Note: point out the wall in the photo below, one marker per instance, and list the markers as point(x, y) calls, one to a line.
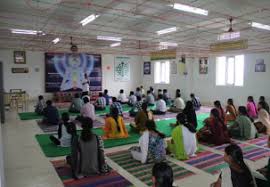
point(33, 82)
point(255, 84)
point(2, 173)
point(177, 81)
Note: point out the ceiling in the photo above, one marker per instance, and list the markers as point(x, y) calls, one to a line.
point(136, 21)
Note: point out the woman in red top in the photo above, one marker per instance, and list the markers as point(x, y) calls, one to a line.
point(215, 131)
point(222, 114)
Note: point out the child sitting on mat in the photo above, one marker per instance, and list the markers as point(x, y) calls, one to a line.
point(151, 145)
point(162, 175)
point(51, 114)
point(100, 102)
point(76, 104)
point(40, 105)
point(63, 138)
point(87, 153)
point(161, 107)
point(114, 126)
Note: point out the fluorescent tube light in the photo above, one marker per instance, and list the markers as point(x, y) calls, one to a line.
point(115, 44)
point(229, 36)
point(171, 44)
point(260, 26)
point(89, 19)
point(56, 40)
point(109, 38)
point(30, 32)
point(165, 31)
point(190, 9)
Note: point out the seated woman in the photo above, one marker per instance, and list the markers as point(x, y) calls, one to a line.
point(141, 119)
point(263, 122)
point(40, 105)
point(251, 108)
point(184, 143)
point(161, 107)
point(63, 138)
point(238, 173)
point(115, 126)
point(51, 114)
point(262, 99)
point(265, 172)
point(215, 131)
point(87, 154)
point(162, 175)
point(243, 128)
point(189, 111)
point(230, 112)
point(218, 106)
point(151, 145)
point(76, 104)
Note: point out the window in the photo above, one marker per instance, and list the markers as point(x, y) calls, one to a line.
point(162, 72)
point(230, 70)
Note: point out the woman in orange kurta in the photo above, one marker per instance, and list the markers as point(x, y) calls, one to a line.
point(231, 112)
point(114, 126)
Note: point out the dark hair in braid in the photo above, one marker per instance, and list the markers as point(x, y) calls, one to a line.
point(163, 174)
point(115, 115)
point(151, 125)
point(218, 105)
point(182, 120)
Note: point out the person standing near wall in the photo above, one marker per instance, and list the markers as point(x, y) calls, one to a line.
point(85, 85)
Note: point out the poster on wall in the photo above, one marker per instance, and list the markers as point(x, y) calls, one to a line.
point(173, 67)
point(65, 71)
point(203, 65)
point(260, 66)
point(182, 65)
point(147, 68)
point(122, 69)
point(19, 57)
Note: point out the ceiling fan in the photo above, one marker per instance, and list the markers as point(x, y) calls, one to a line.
point(73, 47)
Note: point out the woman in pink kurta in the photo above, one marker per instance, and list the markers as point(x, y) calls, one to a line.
point(251, 108)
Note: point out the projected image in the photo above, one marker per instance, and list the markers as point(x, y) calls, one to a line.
point(65, 71)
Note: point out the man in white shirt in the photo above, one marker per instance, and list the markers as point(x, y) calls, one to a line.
point(88, 110)
point(161, 107)
point(85, 85)
point(179, 104)
point(132, 99)
point(122, 98)
point(150, 99)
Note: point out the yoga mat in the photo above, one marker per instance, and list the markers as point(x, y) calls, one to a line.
point(250, 152)
point(33, 115)
point(51, 150)
point(207, 161)
point(113, 179)
point(144, 171)
point(47, 128)
point(261, 141)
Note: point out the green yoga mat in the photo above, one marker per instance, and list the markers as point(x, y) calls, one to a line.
point(33, 115)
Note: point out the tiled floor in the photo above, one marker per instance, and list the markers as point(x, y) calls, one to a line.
point(26, 166)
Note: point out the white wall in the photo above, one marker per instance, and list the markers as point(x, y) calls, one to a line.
point(255, 84)
point(2, 173)
point(33, 82)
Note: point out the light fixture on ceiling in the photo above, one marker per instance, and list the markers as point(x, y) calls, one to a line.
point(109, 38)
point(56, 40)
point(260, 26)
point(230, 34)
point(29, 32)
point(169, 44)
point(190, 9)
point(168, 30)
point(89, 19)
point(115, 44)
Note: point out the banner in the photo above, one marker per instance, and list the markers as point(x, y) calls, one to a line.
point(147, 68)
point(226, 46)
point(65, 71)
point(163, 55)
point(122, 69)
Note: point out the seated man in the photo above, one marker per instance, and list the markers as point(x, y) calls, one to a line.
point(166, 97)
point(150, 99)
point(132, 99)
point(87, 110)
point(122, 98)
point(100, 102)
point(51, 114)
point(107, 97)
point(40, 105)
point(161, 107)
point(116, 104)
point(76, 104)
point(178, 105)
point(136, 108)
point(196, 102)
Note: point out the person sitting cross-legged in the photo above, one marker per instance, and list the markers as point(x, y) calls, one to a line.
point(100, 102)
point(161, 107)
